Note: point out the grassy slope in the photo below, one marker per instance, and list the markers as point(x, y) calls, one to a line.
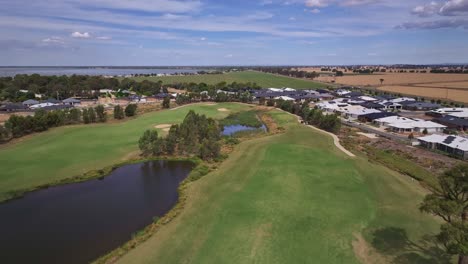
point(264, 80)
point(289, 198)
point(69, 151)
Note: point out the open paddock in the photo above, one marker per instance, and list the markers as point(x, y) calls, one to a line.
point(429, 92)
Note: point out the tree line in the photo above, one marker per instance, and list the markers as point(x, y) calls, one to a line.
point(17, 126)
point(312, 116)
point(196, 136)
point(23, 87)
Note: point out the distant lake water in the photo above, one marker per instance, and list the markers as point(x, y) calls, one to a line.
point(95, 71)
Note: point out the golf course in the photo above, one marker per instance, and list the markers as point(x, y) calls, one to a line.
point(264, 80)
point(291, 197)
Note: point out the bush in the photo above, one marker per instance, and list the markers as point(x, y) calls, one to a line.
point(118, 112)
point(101, 113)
point(130, 110)
point(166, 103)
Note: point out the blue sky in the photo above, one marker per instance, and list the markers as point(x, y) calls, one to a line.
point(208, 32)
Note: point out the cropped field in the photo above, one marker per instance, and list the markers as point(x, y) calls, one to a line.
point(453, 84)
point(264, 80)
point(295, 198)
point(69, 151)
point(456, 95)
point(396, 79)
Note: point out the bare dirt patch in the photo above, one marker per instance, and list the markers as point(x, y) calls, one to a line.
point(163, 126)
point(365, 253)
point(368, 135)
point(223, 110)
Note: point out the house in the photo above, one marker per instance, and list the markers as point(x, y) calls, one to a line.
point(453, 145)
point(353, 94)
point(71, 101)
point(30, 102)
point(372, 105)
point(453, 122)
point(41, 105)
point(373, 116)
point(403, 99)
point(53, 101)
point(421, 106)
point(391, 105)
point(13, 107)
point(285, 98)
point(367, 98)
point(356, 112)
point(455, 112)
point(417, 126)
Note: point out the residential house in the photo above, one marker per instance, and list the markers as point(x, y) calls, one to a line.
point(30, 102)
point(421, 106)
point(453, 145)
point(454, 123)
point(71, 101)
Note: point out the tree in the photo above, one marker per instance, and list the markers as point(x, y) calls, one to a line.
point(171, 139)
point(131, 109)
point(449, 201)
point(92, 115)
point(381, 81)
point(118, 112)
point(4, 133)
point(74, 116)
point(425, 131)
point(410, 136)
point(101, 114)
point(166, 102)
point(85, 115)
point(147, 141)
point(261, 101)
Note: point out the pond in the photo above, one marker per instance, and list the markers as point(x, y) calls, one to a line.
point(232, 129)
point(79, 222)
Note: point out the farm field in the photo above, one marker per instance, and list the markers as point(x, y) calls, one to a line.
point(295, 198)
point(264, 80)
point(453, 84)
point(396, 79)
point(429, 92)
point(70, 151)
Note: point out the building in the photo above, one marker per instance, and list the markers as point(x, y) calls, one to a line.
point(455, 112)
point(409, 125)
point(373, 116)
point(421, 106)
point(71, 101)
point(452, 145)
point(13, 108)
point(30, 102)
point(454, 123)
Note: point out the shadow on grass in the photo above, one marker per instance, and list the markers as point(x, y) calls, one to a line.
point(393, 241)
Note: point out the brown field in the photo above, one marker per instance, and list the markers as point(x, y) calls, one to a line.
point(455, 84)
point(429, 92)
point(396, 79)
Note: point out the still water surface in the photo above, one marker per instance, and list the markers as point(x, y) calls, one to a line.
point(77, 223)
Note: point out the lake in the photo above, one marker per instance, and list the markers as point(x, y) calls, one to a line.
point(79, 222)
point(232, 129)
point(113, 71)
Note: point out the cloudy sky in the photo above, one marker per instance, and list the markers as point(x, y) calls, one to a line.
point(232, 32)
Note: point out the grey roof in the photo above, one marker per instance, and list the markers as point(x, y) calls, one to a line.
point(13, 107)
point(423, 105)
point(71, 100)
point(30, 102)
point(452, 120)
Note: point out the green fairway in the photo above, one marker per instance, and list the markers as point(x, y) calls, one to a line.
point(264, 80)
point(70, 151)
point(294, 198)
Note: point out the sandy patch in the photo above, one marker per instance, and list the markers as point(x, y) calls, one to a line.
point(365, 253)
point(166, 129)
point(163, 126)
point(368, 135)
point(223, 110)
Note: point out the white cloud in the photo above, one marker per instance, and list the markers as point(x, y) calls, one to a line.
point(317, 3)
point(292, 18)
point(104, 38)
point(175, 6)
point(315, 11)
point(259, 16)
point(454, 8)
point(53, 40)
point(426, 10)
point(202, 38)
point(84, 35)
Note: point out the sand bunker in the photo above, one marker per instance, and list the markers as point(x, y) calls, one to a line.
point(164, 126)
point(223, 110)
